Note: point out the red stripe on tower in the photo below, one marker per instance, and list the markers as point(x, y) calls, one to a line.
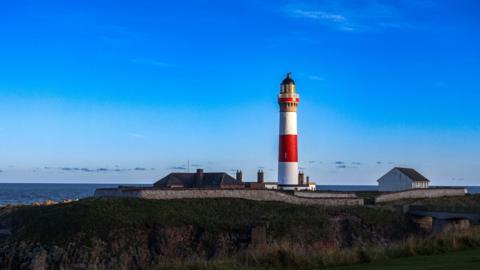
point(288, 149)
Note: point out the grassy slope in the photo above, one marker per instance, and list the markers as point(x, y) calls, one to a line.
point(97, 217)
point(459, 260)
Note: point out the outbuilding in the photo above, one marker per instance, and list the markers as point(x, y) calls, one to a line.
point(398, 179)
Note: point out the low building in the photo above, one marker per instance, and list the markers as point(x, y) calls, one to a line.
point(199, 179)
point(398, 179)
point(271, 185)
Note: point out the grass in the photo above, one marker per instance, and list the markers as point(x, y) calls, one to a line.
point(456, 250)
point(458, 260)
point(296, 230)
point(469, 203)
point(98, 217)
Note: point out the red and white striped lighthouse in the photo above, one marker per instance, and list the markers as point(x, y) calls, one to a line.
point(288, 151)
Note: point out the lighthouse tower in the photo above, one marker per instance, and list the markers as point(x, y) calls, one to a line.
point(288, 155)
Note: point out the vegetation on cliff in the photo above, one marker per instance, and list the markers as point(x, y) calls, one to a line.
point(99, 217)
point(208, 233)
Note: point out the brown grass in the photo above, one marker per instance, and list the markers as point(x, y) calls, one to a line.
point(293, 256)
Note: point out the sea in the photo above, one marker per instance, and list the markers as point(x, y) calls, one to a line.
point(16, 193)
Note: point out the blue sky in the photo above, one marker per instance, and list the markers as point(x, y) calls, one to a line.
point(126, 91)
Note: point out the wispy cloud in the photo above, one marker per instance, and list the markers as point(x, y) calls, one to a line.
point(114, 41)
point(177, 168)
point(315, 78)
point(344, 165)
point(319, 15)
point(351, 17)
point(101, 170)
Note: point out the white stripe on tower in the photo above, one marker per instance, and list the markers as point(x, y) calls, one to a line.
point(288, 123)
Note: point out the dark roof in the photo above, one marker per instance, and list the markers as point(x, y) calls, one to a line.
point(288, 79)
point(188, 180)
point(413, 174)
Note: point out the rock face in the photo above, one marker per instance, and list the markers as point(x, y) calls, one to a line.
point(95, 240)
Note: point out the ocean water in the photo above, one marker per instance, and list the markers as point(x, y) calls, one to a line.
point(29, 193)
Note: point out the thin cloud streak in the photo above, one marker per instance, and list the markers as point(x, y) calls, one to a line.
point(319, 15)
point(343, 16)
point(102, 170)
point(179, 168)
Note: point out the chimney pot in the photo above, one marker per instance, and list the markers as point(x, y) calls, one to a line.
point(199, 177)
point(260, 176)
point(301, 178)
point(239, 175)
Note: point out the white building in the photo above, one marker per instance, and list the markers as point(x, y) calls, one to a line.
point(398, 179)
point(312, 186)
point(271, 185)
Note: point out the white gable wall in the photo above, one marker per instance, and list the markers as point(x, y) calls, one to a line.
point(394, 180)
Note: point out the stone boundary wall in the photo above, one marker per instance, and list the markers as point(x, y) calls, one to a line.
point(421, 193)
point(323, 194)
point(249, 194)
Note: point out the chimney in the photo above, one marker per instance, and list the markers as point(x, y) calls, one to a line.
point(260, 176)
point(300, 178)
point(239, 175)
point(199, 177)
point(308, 180)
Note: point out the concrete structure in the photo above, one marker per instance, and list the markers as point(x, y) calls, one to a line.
point(322, 199)
point(398, 179)
point(421, 193)
point(438, 222)
point(288, 100)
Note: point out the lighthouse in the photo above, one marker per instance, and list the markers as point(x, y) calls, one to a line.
point(288, 99)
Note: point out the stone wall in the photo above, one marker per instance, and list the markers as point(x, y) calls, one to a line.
point(421, 193)
point(249, 194)
point(322, 194)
